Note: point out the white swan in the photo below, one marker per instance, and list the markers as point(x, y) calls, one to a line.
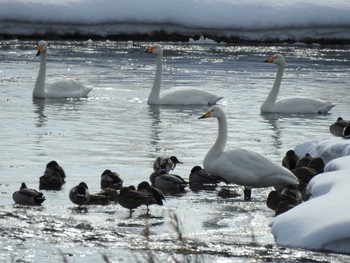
point(240, 166)
point(64, 88)
point(290, 105)
point(176, 95)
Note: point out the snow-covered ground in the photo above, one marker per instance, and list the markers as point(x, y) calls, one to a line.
point(323, 222)
point(250, 20)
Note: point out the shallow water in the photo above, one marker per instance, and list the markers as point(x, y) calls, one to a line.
point(115, 129)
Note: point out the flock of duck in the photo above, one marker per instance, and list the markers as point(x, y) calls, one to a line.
point(284, 197)
point(112, 189)
point(236, 166)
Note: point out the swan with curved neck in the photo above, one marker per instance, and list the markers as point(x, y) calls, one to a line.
point(176, 95)
point(290, 105)
point(64, 88)
point(240, 166)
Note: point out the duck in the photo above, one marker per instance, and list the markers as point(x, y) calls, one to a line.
point(165, 163)
point(168, 183)
point(308, 169)
point(290, 160)
point(104, 197)
point(282, 201)
point(240, 166)
point(157, 195)
point(111, 179)
point(53, 177)
point(317, 164)
point(130, 198)
point(175, 95)
point(198, 175)
point(57, 89)
point(341, 128)
point(79, 194)
point(304, 174)
point(25, 196)
point(304, 161)
point(200, 179)
point(298, 105)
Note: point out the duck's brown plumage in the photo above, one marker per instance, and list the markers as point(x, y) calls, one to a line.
point(131, 199)
point(111, 179)
point(290, 160)
point(157, 195)
point(104, 197)
point(53, 177)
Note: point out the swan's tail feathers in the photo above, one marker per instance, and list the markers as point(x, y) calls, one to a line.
point(326, 108)
point(291, 179)
point(220, 179)
point(214, 100)
point(86, 92)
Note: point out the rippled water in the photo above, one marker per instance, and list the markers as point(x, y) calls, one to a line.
point(115, 129)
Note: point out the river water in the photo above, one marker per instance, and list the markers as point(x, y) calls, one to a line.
point(115, 129)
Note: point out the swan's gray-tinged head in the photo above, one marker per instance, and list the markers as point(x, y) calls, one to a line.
point(42, 47)
point(276, 59)
point(154, 49)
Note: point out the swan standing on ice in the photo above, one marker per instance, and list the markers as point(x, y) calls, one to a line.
point(290, 105)
point(64, 88)
point(176, 95)
point(239, 166)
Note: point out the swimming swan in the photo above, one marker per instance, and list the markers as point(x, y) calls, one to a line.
point(64, 88)
point(176, 95)
point(240, 166)
point(290, 105)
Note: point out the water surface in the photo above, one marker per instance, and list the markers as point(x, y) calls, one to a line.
point(115, 129)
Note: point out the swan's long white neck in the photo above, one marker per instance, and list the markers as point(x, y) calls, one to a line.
point(39, 88)
point(270, 101)
point(220, 143)
point(154, 95)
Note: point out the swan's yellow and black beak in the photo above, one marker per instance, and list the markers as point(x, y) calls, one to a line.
point(205, 115)
point(40, 50)
point(149, 49)
point(270, 59)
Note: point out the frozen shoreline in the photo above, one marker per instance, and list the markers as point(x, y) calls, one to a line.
point(257, 21)
point(162, 36)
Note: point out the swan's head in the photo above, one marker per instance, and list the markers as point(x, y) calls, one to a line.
point(213, 112)
point(155, 49)
point(276, 59)
point(42, 47)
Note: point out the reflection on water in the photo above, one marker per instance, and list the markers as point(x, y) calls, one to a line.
point(115, 129)
point(39, 108)
point(154, 113)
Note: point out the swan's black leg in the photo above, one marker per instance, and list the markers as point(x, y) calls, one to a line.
point(247, 194)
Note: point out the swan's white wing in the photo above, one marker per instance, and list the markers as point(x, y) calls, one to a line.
point(302, 105)
point(248, 168)
point(65, 88)
point(188, 96)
